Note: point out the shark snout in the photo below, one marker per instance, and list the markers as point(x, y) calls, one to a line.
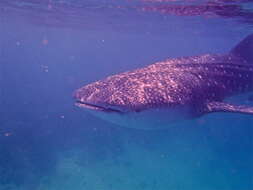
point(98, 106)
point(96, 100)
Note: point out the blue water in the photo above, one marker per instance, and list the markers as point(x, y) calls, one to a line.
point(50, 48)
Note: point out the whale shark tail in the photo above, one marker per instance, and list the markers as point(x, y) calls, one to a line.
point(245, 49)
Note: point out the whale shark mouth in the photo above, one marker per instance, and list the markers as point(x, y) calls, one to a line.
point(96, 107)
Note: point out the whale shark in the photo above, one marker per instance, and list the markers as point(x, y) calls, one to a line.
point(174, 90)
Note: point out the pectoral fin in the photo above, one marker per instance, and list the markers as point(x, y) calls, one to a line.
point(226, 107)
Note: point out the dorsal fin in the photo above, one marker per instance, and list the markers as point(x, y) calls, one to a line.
point(245, 49)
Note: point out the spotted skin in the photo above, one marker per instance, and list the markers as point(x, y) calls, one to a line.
point(192, 84)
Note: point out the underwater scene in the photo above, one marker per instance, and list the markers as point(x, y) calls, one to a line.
point(126, 95)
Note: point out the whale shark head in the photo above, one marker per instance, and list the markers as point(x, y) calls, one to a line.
point(131, 99)
point(103, 96)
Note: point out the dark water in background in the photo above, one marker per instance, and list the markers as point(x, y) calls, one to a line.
point(49, 48)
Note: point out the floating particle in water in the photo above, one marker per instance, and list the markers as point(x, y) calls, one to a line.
point(7, 134)
point(44, 41)
point(44, 68)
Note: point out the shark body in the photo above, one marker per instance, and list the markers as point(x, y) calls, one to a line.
point(173, 90)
